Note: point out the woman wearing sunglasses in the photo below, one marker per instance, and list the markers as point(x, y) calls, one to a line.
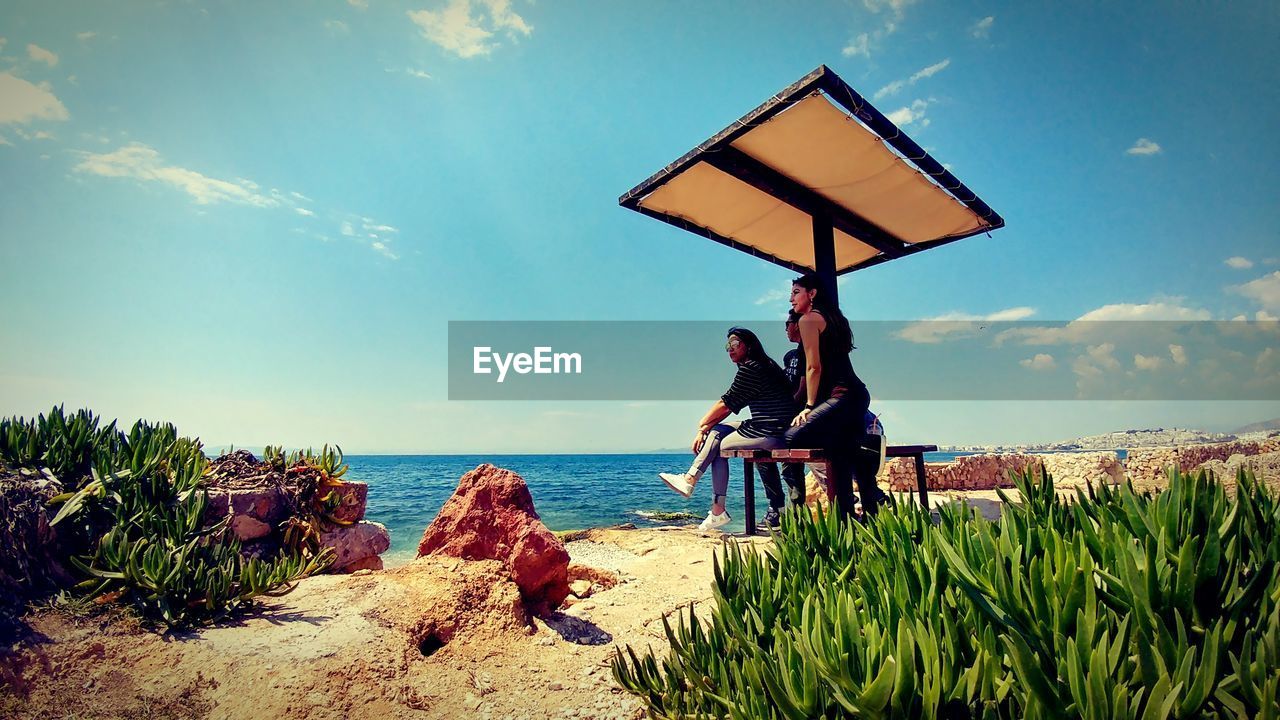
point(762, 386)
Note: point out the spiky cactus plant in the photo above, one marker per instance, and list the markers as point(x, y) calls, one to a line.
point(1115, 605)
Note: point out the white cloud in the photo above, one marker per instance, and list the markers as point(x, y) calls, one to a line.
point(37, 135)
point(1144, 311)
point(304, 212)
point(860, 45)
point(359, 4)
point(1179, 354)
point(776, 295)
point(144, 163)
point(1042, 361)
point(1264, 316)
point(385, 251)
point(1143, 146)
point(1239, 263)
point(1096, 360)
point(889, 89)
point(85, 36)
point(895, 7)
point(923, 73)
point(1265, 290)
point(421, 74)
point(4, 141)
point(337, 27)
point(913, 113)
point(865, 42)
point(1147, 362)
point(1093, 324)
point(956, 325)
point(1101, 354)
point(1264, 365)
point(1011, 314)
point(22, 102)
point(456, 29)
point(39, 54)
point(930, 71)
point(982, 28)
point(347, 230)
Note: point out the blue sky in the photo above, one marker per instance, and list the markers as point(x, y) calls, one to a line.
point(256, 220)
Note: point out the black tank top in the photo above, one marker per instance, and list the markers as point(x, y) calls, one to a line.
point(837, 370)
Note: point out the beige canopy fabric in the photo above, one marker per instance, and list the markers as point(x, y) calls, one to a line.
point(758, 185)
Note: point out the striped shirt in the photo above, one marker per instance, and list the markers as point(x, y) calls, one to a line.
point(766, 394)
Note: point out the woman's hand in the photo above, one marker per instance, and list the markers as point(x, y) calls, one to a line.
point(802, 418)
point(698, 439)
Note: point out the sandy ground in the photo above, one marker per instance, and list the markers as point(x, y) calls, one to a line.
point(435, 638)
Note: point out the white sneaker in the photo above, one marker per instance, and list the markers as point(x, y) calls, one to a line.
point(713, 521)
point(679, 483)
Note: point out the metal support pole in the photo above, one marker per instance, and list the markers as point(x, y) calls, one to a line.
point(824, 256)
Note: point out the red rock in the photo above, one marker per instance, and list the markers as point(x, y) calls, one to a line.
point(491, 517)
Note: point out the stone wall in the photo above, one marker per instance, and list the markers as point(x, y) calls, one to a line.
point(968, 472)
point(1147, 466)
point(256, 514)
point(1078, 469)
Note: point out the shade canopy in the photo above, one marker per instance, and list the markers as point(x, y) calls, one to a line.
point(816, 155)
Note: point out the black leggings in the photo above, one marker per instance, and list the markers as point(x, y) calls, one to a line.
point(834, 425)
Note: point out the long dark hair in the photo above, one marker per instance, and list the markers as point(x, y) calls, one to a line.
point(755, 351)
point(837, 324)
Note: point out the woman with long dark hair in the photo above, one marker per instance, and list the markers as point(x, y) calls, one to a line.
point(836, 402)
point(761, 385)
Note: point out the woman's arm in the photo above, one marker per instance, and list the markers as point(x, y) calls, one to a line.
point(718, 412)
point(811, 325)
point(810, 329)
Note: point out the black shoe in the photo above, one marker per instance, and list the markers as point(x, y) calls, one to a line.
point(772, 519)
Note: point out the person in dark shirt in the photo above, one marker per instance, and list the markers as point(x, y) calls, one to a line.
point(793, 361)
point(836, 399)
point(761, 385)
point(793, 365)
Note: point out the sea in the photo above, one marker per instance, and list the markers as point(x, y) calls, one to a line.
point(570, 492)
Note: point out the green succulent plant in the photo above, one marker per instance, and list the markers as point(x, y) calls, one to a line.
point(1113, 605)
point(134, 508)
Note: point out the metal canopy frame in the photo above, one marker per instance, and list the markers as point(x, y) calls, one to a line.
point(827, 215)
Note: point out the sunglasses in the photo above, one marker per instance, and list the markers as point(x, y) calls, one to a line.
point(733, 345)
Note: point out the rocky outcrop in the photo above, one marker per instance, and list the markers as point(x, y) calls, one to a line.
point(30, 554)
point(255, 511)
point(259, 498)
point(357, 546)
point(491, 517)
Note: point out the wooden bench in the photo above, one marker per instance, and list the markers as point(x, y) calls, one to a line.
point(751, 457)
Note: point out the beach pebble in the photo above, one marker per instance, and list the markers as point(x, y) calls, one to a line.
point(555, 686)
